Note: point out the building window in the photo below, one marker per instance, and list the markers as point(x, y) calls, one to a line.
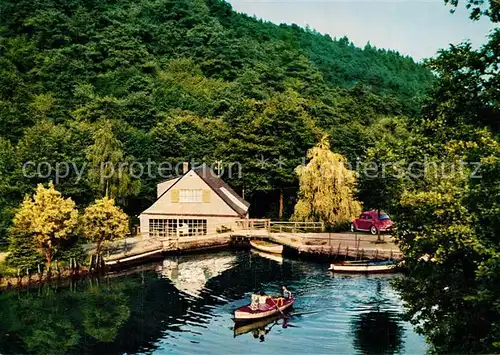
point(172, 227)
point(191, 196)
point(157, 227)
point(192, 227)
point(177, 227)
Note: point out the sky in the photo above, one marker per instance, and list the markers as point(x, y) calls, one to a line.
point(418, 28)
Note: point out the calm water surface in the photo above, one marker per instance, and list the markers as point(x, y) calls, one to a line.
point(185, 304)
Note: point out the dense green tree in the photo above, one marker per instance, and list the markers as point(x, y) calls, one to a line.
point(184, 136)
point(7, 187)
point(23, 254)
point(448, 215)
point(467, 91)
point(383, 172)
point(110, 172)
point(451, 255)
point(269, 138)
point(54, 152)
point(478, 8)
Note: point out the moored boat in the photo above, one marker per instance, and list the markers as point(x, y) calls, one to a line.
point(267, 246)
point(272, 307)
point(365, 267)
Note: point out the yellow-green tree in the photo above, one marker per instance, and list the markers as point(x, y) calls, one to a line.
point(327, 186)
point(47, 218)
point(103, 222)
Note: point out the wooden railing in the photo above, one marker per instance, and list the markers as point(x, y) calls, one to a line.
point(251, 224)
point(280, 227)
point(297, 227)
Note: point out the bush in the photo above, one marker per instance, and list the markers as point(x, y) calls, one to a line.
point(6, 270)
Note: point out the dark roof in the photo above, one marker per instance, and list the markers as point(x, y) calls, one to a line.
point(216, 183)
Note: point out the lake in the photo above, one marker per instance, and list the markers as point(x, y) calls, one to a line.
point(184, 305)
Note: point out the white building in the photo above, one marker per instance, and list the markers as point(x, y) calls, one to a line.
point(196, 203)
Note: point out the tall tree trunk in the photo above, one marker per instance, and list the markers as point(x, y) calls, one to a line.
point(58, 269)
point(48, 257)
point(281, 205)
point(97, 264)
point(99, 247)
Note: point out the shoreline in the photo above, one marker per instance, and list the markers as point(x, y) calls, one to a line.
point(315, 248)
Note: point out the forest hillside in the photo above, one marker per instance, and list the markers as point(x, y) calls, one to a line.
point(86, 82)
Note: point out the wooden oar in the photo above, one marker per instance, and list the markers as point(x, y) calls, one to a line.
point(283, 314)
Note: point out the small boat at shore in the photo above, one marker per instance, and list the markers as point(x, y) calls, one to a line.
point(267, 247)
point(370, 267)
point(272, 307)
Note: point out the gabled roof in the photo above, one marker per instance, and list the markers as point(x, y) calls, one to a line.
point(169, 179)
point(222, 189)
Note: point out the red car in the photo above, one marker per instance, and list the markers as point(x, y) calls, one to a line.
point(371, 221)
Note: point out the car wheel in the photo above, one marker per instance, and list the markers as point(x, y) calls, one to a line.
point(353, 228)
point(373, 230)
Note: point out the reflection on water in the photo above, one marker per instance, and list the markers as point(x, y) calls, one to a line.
point(377, 329)
point(274, 257)
point(190, 275)
point(183, 303)
point(258, 327)
point(377, 332)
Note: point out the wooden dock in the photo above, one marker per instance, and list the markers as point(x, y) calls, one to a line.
point(341, 246)
point(306, 239)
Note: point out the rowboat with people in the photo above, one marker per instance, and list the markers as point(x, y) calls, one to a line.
point(263, 306)
point(272, 307)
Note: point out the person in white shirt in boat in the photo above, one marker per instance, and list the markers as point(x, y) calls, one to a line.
point(254, 305)
point(263, 300)
point(286, 293)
